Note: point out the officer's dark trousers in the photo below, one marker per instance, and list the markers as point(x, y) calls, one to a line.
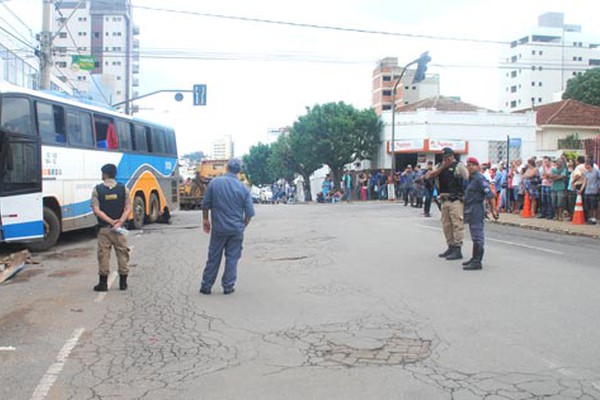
point(476, 231)
point(231, 245)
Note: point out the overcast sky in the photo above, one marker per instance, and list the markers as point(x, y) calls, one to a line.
point(262, 75)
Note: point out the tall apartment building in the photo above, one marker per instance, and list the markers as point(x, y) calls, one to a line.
point(222, 148)
point(536, 67)
point(96, 49)
point(385, 75)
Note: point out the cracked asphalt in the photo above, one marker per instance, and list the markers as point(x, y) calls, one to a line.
point(345, 301)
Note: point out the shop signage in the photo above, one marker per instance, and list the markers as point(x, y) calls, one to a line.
point(459, 146)
point(408, 146)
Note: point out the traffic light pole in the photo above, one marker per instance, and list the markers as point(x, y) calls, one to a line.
point(150, 94)
point(419, 76)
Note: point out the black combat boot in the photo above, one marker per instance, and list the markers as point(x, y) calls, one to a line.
point(123, 282)
point(456, 254)
point(102, 285)
point(472, 256)
point(478, 257)
point(446, 253)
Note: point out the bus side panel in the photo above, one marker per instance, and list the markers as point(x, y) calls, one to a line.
point(22, 217)
point(150, 173)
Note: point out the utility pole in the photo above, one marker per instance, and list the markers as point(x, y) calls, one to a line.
point(46, 46)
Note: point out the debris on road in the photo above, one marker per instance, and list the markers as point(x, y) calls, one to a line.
point(13, 263)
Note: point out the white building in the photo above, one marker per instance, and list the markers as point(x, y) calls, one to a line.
point(19, 63)
point(222, 149)
point(424, 128)
point(95, 49)
point(536, 67)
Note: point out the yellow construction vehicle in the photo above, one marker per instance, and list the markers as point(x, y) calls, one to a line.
point(191, 191)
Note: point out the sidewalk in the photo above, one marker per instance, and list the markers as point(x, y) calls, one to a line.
point(562, 227)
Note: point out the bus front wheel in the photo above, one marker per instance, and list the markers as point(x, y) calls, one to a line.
point(51, 231)
point(139, 212)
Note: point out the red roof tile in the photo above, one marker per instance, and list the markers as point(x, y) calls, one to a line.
point(441, 103)
point(568, 112)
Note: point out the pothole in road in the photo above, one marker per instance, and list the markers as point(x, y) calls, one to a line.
point(356, 344)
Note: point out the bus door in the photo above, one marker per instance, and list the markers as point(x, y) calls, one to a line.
point(21, 203)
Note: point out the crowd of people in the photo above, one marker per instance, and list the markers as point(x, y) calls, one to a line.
point(551, 186)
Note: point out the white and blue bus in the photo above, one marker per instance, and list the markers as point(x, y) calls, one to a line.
point(51, 152)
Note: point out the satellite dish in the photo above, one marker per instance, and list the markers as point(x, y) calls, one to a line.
point(178, 97)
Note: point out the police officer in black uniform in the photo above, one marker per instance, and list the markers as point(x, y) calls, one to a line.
point(452, 176)
point(111, 205)
point(478, 190)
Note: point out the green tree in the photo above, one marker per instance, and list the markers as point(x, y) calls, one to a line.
point(195, 157)
point(256, 164)
point(335, 134)
point(585, 88)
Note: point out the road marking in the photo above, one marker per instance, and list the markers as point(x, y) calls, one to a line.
point(504, 241)
point(7, 348)
point(48, 380)
point(102, 295)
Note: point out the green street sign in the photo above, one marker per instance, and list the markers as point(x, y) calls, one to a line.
point(86, 63)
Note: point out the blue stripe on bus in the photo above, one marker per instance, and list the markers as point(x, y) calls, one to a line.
point(77, 209)
point(25, 229)
point(130, 163)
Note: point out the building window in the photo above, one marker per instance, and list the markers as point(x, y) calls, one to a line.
point(386, 107)
point(414, 88)
point(387, 93)
point(533, 52)
point(96, 35)
point(513, 104)
point(406, 87)
point(82, 33)
point(387, 78)
point(540, 68)
point(574, 73)
point(61, 64)
point(119, 92)
point(96, 64)
point(594, 62)
point(541, 53)
point(513, 74)
point(532, 83)
point(118, 78)
point(62, 35)
point(513, 89)
point(533, 67)
point(539, 99)
point(539, 83)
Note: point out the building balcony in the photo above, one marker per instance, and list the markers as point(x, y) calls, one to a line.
point(136, 44)
point(135, 68)
point(135, 82)
point(136, 30)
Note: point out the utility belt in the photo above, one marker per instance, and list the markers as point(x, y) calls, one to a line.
point(451, 197)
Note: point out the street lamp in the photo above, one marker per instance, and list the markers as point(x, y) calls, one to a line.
point(419, 76)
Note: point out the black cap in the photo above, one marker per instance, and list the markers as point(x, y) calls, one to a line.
point(447, 151)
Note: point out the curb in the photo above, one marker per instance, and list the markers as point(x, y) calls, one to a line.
point(561, 231)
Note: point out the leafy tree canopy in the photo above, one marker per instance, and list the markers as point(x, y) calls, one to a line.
point(585, 87)
point(256, 164)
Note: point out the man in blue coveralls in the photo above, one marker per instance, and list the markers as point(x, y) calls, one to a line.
point(478, 190)
point(231, 208)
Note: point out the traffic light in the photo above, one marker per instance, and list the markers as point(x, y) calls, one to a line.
point(421, 67)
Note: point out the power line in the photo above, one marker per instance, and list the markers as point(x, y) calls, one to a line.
point(17, 38)
point(348, 29)
point(318, 26)
point(17, 18)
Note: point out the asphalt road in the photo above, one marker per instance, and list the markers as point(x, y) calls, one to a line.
point(346, 301)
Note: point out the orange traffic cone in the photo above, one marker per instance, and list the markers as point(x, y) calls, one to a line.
point(527, 207)
point(578, 215)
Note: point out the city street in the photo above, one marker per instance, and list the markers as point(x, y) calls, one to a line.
point(344, 301)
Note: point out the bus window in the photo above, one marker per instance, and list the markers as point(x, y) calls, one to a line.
point(19, 173)
point(15, 116)
point(124, 135)
point(159, 144)
point(171, 145)
point(79, 128)
point(149, 139)
point(106, 134)
point(51, 123)
point(139, 138)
